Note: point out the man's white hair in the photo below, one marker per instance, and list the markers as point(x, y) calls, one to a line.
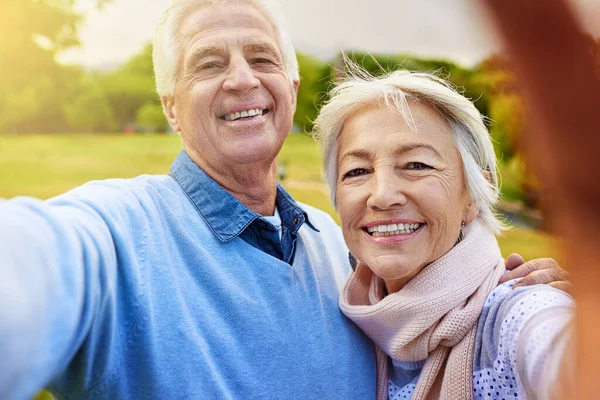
point(168, 53)
point(396, 91)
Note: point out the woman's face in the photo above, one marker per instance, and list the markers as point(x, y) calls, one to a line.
point(400, 193)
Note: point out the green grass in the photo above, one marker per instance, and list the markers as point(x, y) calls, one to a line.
point(530, 244)
point(47, 165)
point(301, 157)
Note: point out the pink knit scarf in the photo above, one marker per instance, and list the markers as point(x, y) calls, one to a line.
point(433, 317)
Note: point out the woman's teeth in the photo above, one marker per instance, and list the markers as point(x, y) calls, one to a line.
point(243, 114)
point(392, 229)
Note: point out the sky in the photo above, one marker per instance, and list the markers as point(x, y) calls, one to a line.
point(453, 29)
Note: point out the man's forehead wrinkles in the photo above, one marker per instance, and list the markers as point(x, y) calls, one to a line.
point(248, 45)
point(206, 19)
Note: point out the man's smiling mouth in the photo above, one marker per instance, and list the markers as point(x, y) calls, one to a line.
point(245, 114)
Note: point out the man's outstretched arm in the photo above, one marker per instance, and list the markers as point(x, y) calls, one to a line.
point(55, 264)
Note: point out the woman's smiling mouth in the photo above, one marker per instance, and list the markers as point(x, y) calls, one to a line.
point(393, 229)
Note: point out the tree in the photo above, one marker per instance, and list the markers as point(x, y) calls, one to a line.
point(131, 86)
point(507, 115)
point(315, 80)
point(35, 31)
point(150, 117)
point(90, 111)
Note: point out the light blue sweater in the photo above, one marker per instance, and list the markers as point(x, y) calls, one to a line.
point(143, 288)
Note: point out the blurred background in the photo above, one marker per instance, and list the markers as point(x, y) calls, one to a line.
point(77, 99)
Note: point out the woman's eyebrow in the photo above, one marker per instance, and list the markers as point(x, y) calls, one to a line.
point(362, 154)
point(416, 146)
point(400, 151)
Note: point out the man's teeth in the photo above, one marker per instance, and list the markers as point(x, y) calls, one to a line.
point(243, 114)
point(392, 229)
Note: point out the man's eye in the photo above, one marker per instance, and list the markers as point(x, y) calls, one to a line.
point(417, 166)
point(261, 61)
point(355, 172)
point(210, 65)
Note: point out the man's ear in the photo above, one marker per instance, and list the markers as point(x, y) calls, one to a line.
point(170, 110)
point(295, 85)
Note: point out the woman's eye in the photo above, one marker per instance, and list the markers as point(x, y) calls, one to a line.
point(417, 166)
point(355, 172)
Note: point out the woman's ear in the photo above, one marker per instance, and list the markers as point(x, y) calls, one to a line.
point(471, 212)
point(488, 176)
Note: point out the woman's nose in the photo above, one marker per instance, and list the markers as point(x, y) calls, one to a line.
point(240, 76)
point(387, 191)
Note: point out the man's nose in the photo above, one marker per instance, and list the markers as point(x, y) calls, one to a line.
point(388, 190)
point(240, 76)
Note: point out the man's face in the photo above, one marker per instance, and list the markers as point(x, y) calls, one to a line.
point(233, 101)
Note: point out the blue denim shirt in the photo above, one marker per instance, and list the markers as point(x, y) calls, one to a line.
point(158, 287)
point(212, 202)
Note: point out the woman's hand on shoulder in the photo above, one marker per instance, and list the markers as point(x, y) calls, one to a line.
point(540, 270)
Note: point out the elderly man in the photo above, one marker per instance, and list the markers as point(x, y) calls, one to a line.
point(210, 282)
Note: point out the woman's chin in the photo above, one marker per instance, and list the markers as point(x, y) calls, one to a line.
point(394, 267)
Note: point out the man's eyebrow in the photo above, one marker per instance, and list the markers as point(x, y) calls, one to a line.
point(202, 52)
point(261, 48)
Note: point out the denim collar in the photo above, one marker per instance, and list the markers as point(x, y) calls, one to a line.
point(224, 214)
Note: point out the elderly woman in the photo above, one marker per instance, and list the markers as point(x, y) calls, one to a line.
point(412, 173)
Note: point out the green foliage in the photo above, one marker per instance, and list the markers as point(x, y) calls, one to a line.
point(32, 83)
point(131, 87)
point(507, 114)
point(150, 117)
point(315, 81)
point(511, 179)
point(89, 110)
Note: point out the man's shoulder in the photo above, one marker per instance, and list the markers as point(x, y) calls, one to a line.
point(123, 186)
point(122, 193)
